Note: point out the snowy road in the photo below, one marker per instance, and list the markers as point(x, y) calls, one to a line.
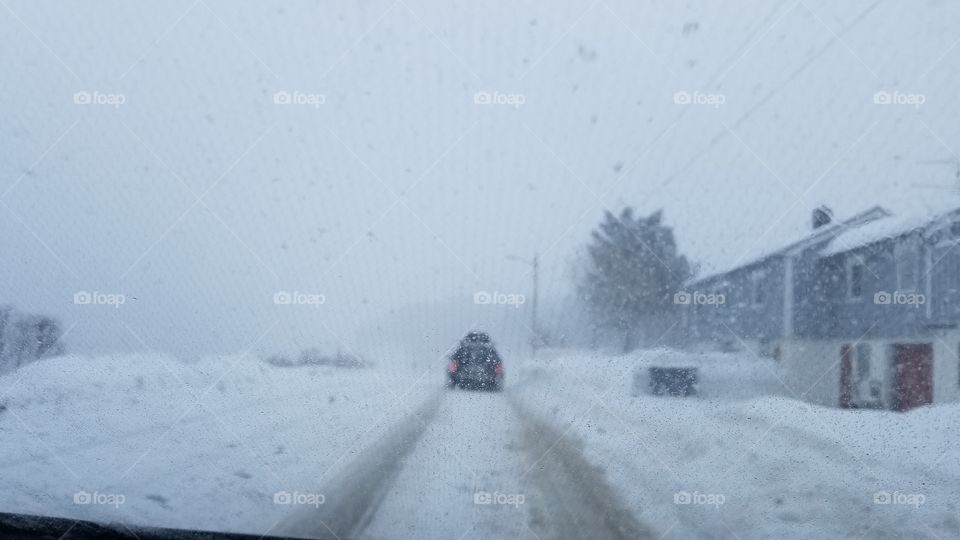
point(469, 464)
point(567, 450)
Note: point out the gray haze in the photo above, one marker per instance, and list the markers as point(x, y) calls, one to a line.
point(398, 198)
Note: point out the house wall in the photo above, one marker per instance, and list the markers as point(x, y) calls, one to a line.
point(812, 367)
point(883, 310)
point(812, 370)
point(943, 261)
point(738, 318)
point(946, 366)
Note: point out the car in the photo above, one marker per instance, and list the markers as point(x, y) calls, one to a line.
point(475, 364)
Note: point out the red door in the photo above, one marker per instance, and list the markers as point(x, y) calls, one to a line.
point(846, 377)
point(914, 375)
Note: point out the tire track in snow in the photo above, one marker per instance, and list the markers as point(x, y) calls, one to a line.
point(407, 484)
point(580, 502)
point(358, 489)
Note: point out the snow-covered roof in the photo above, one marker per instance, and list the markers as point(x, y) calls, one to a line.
point(806, 239)
point(891, 226)
point(873, 232)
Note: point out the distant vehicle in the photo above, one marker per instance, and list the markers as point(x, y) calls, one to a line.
point(475, 364)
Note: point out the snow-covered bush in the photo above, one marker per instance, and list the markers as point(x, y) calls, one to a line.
point(316, 357)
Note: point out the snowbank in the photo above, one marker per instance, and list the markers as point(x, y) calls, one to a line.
point(721, 375)
point(151, 440)
point(762, 467)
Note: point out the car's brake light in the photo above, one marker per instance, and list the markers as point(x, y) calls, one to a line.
point(453, 366)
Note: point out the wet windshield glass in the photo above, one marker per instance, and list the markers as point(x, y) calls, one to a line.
point(425, 269)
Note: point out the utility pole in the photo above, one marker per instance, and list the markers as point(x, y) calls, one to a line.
point(533, 308)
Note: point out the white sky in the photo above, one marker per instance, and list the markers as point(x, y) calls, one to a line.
point(399, 195)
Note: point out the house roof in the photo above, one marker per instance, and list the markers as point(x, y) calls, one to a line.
point(891, 226)
point(809, 238)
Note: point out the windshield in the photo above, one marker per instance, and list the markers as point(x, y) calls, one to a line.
point(423, 269)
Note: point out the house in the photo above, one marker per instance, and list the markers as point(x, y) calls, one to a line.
point(859, 313)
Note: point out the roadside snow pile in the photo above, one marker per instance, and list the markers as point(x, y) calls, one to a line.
point(767, 467)
point(151, 440)
point(720, 375)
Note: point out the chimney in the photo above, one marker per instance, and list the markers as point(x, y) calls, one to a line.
point(822, 215)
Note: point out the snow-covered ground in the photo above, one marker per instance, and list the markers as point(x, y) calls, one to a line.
point(195, 445)
point(229, 443)
point(766, 467)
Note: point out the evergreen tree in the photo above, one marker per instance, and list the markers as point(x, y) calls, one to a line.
point(633, 270)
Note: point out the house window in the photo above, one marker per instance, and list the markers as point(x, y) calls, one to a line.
point(863, 362)
point(908, 268)
point(855, 270)
point(758, 292)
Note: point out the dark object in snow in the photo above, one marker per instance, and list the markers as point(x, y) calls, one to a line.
point(673, 381)
point(30, 527)
point(822, 215)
